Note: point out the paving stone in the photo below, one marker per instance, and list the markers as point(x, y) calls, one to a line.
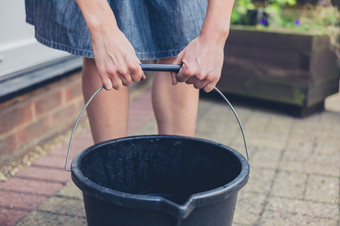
point(46, 218)
point(242, 112)
point(52, 161)
point(10, 216)
point(323, 189)
point(45, 173)
point(241, 149)
point(64, 206)
point(302, 207)
point(239, 224)
point(332, 103)
point(216, 132)
point(245, 220)
point(270, 218)
point(313, 158)
point(328, 146)
point(310, 163)
point(263, 140)
point(31, 186)
point(311, 124)
point(80, 142)
point(21, 201)
point(309, 168)
point(71, 190)
point(330, 119)
point(62, 150)
point(249, 203)
point(266, 157)
point(259, 180)
point(279, 125)
point(289, 184)
point(149, 128)
point(256, 122)
point(300, 143)
point(220, 113)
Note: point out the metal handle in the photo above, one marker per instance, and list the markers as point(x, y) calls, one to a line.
point(151, 67)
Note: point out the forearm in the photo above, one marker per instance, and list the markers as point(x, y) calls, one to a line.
point(115, 57)
point(98, 15)
point(216, 24)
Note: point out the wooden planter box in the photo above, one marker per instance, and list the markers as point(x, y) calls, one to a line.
point(296, 70)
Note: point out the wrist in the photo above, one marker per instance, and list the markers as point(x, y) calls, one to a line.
point(215, 36)
point(101, 26)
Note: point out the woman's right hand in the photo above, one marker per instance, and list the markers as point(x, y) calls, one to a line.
point(115, 59)
point(114, 55)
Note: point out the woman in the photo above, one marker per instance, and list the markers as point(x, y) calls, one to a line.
point(113, 36)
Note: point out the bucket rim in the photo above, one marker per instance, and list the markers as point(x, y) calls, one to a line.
point(142, 201)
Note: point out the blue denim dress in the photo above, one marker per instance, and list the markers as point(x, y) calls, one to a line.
point(155, 28)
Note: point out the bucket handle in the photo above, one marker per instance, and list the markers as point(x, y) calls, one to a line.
point(152, 67)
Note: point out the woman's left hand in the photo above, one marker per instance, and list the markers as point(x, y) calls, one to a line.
point(201, 61)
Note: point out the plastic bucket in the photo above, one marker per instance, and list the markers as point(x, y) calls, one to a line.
point(159, 180)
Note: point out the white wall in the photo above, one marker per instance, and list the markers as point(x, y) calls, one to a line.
point(14, 31)
point(18, 48)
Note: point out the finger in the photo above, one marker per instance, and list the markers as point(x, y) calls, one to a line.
point(185, 73)
point(124, 76)
point(173, 78)
point(209, 87)
point(143, 77)
point(136, 73)
point(117, 84)
point(116, 81)
point(192, 80)
point(177, 61)
point(201, 84)
point(126, 80)
point(107, 83)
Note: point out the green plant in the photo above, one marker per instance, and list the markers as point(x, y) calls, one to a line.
point(323, 18)
point(241, 7)
point(274, 9)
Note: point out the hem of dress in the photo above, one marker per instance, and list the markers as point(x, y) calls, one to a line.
point(30, 21)
point(63, 47)
point(89, 54)
point(158, 55)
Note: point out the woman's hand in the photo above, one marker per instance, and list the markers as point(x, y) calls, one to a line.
point(114, 55)
point(202, 62)
point(202, 59)
point(116, 59)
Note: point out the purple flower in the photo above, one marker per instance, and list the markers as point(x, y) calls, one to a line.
point(264, 22)
point(297, 23)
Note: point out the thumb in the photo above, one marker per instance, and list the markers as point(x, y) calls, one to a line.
point(178, 61)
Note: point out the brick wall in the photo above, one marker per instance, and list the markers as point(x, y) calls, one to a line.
point(33, 118)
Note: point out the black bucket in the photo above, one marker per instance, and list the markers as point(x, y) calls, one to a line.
point(160, 180)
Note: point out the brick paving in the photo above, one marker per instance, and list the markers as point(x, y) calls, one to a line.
point(294, 178)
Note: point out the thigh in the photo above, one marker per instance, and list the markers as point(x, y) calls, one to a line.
point(175, 106)
point(108, 111)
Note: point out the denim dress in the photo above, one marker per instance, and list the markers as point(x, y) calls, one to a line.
point(155, 28)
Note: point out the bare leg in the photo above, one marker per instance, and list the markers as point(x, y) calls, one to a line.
point(175, 107)
point(108, 111)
